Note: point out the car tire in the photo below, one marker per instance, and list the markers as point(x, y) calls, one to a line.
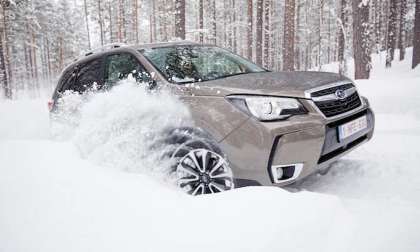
point(198, 164)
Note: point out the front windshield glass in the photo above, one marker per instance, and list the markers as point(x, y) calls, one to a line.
point(187, 64)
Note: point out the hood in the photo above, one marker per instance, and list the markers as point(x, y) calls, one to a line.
point(291, 84)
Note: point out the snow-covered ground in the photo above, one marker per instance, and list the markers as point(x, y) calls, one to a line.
point(60, 195)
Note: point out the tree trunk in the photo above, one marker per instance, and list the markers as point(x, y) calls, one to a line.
point(361, 39)
point(266, 62)
point(111, 38)
point(392, 32)
point(377, 15)
point(401, 40)
point(61, 53)
point(225, 26)
point(28, 67)
point(3, 71)
point(48, 59)
point(34, 54)
point(416, 37)
point(329, 38)
point(250, 28)
point(235, 35)
point(124, 22)
point(153, 22)
point(213, 21)
point(342, 38)
point(31, 61)
point(180, 19)
point(163, 34)
point(259, 35)
point(229, 30)
point(100, 21)
point(35, 63)
point(201, 20)
point(119, 21)
point(289, 36)
point(385, 24)
point(308, 44)
point(320, 24)
point(87, 24)
point(297, 36)
point(136, 21)
point(6, 48)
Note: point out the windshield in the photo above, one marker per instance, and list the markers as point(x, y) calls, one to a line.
point(187, 64)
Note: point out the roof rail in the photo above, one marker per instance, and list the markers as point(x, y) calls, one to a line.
point(105, 47)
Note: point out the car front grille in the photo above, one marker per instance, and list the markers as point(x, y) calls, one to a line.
point(331, 90)
point(331, 106)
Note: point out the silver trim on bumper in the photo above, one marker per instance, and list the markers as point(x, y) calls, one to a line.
point(296, 174)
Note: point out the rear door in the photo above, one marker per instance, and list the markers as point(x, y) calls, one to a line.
point(67, 80)
point(89, 76)
point(123, 65)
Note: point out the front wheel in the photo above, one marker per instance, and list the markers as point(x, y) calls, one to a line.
point(198, 164)
point(203, 171)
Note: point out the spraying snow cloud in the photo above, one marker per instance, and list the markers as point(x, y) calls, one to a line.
point(118, 127)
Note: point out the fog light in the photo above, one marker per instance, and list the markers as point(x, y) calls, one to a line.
point(279, 172)
point(284, 173)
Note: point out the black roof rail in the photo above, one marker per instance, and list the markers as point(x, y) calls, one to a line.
point(105, 47)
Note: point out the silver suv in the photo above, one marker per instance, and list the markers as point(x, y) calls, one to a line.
point(252, 126)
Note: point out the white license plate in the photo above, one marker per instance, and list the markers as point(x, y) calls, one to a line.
point(352, 127)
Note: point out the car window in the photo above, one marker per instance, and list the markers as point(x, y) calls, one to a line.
point(67, 80)
point(121, 66)
point(186, 64)
point(88, 76)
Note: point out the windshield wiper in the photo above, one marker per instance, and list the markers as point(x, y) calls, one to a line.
point(230, 75)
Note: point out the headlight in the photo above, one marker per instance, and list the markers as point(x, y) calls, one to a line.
point(266, 108)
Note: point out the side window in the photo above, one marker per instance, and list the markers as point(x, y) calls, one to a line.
point(121, 66)
point(88, 76)
point(67, 80)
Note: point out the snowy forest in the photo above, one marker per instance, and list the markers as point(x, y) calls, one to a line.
point(40, 37)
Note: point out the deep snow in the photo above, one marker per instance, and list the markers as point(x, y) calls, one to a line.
point(60, 195)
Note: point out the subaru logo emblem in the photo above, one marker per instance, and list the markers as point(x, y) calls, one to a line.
point(340, 94)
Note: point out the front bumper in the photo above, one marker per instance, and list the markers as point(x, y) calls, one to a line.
point(308, 142)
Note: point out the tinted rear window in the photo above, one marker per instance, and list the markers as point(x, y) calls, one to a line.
point(88, 75)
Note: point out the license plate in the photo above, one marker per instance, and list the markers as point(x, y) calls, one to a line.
point(348, 129)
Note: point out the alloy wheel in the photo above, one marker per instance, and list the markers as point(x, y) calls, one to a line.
point(203, 172)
